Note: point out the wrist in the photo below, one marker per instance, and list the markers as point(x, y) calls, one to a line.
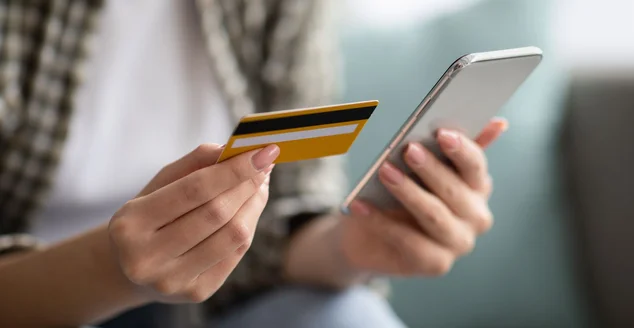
point(105, 262)
point(346, 271)
point(315, 256)
point(80, 274)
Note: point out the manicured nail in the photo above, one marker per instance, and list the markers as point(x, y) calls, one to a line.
point(391, 174)
point(502, 123)
point(415, 153)
point(265, 157)
point(450, 139)
point(360, 209)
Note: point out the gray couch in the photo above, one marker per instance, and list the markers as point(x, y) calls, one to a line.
point(599, 161)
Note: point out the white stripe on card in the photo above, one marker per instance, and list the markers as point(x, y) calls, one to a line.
point(290, 136)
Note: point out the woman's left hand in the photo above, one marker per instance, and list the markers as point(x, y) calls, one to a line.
point(438, 224)
point(434, 228)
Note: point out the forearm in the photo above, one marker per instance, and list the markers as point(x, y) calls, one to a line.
point(314, 257)
point(72, 283)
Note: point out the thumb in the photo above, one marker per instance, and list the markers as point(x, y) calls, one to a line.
point(201, 157)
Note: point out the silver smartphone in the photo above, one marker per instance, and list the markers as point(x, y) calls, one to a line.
point(466, 97)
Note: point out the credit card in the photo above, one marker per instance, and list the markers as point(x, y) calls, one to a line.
point(301, 134)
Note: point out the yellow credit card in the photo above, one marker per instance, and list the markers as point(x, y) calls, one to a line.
point(301, 134)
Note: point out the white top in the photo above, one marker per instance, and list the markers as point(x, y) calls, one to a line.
point(149, 98)
point(599, 46)
point(400, 13)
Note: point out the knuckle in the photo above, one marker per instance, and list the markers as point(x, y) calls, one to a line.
point(164, 171)
point(167, 287)
point(168, 169)
point(237, 170)
point(200, 292)
point(440, 266)
point(194, 190)
point(466, 244)
point(244, 248)
point(202, 153)
point(409, 244)
point(217, 210)
point(122, 229)
point(240, 233)
point(483, 221)
point(435, 214)
point(125, 210)
point(118, 228)
point(449, 191)
point(198, 295)
point(204, 150)
point(137, 272)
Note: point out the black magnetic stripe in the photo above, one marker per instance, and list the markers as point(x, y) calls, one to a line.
point(302, 121)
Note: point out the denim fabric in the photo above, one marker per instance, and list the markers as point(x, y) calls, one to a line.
point(305, 308)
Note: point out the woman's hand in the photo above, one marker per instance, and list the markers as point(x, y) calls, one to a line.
point(439, 224)
point(185, 233)
point(177, 241)
point(436, 226)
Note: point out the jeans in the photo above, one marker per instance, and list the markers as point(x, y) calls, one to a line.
point(306, 308)
point(286, 307)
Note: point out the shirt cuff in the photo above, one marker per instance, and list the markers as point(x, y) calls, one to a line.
point(300, 220)
point(17, 242)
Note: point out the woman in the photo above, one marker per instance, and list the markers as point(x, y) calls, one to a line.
point(81, 130)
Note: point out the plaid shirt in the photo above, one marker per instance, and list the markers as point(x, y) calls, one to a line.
point(267, 55)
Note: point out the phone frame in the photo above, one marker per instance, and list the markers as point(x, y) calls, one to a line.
point(426, 103)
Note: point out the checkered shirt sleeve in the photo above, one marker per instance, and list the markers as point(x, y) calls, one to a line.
point(267, 55)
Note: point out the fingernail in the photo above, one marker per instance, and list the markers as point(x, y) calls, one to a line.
point(503, 124)
point(223, 146)
point(360, 209)
point(265, 157)
point(415, 153)
point(450, 139)
point(267, 180)
point(391, 174)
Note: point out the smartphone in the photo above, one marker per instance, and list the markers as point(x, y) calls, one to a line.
point(467, 96)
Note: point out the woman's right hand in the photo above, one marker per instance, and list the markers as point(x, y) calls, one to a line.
point(183, 236)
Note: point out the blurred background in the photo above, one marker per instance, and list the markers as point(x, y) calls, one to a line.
point(558, 255)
